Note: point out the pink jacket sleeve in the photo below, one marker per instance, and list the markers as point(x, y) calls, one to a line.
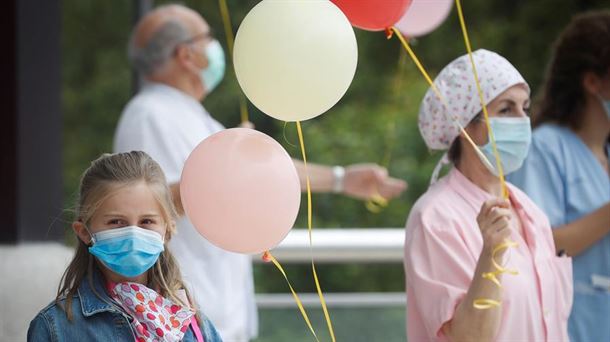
point(439, 267)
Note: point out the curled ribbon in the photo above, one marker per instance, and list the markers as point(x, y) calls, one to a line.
point(376, 203)
point(486, 303)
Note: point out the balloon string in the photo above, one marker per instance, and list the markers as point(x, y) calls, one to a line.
point(226, 20)
point(485, 113)
point(492, 276)
point(309, 230)
point(377, 203)
point(391, 136)
point(269, 257)
point(452, 118)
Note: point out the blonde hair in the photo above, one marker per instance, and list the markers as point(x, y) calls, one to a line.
point(105, 176)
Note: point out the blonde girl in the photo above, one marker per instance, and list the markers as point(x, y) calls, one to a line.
point(123, 284)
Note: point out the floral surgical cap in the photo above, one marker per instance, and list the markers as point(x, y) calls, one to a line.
point(457, 86)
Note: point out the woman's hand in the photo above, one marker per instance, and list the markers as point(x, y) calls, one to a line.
point(494, 222)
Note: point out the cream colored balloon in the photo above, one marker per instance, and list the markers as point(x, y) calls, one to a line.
point(295, 59)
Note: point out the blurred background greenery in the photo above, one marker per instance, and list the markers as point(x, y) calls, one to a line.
point(377, 117)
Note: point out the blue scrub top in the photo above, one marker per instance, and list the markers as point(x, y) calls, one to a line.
point(566, 180)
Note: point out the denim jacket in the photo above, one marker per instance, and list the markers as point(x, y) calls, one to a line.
point(96, 319)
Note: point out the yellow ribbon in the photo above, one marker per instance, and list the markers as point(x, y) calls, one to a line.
point(269, 257)
point(309, 229)
point(434, 88)
point(484, 303)
point(377, 202)
point(476, 79)
point(226, 20)
point(391, 136)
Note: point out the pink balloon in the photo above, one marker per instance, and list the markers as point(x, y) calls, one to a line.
point(241, 191)
point(423, 16)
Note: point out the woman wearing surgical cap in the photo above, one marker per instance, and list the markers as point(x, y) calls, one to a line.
point(567, 170)
point(454, 227)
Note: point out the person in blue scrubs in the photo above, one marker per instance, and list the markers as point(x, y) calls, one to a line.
point(567, 169)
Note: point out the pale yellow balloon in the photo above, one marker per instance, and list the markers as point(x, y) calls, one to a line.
point(295, 59)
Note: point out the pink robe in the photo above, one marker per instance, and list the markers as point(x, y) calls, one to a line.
point(442, 247)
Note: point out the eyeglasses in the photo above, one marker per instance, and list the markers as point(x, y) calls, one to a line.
point(201, 36)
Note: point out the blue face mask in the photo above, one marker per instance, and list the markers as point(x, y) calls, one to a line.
point(513, 138)
point(213, 74)
point(128, 251)
point(606, 105)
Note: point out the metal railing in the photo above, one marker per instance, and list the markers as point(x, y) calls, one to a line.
point(354, 314)
point(380, 245)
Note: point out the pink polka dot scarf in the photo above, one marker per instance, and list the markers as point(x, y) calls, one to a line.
point(457, 86)
point(155, 317)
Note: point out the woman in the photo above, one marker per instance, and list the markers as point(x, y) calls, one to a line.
point(455, 226)
point(567, 170)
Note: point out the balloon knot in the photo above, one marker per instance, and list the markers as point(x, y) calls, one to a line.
point(266, 257)
point(389, 33)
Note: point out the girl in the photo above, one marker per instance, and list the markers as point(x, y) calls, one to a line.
point(123, 284)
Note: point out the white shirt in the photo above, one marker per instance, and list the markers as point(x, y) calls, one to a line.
point(168, 124)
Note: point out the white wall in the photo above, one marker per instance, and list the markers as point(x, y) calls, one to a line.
point(29, 276)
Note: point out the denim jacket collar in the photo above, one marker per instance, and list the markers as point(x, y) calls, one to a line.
point(90, 302)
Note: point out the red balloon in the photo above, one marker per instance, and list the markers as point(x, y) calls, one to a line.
point(373, 15)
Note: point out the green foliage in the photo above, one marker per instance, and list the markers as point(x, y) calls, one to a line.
point(379, 110)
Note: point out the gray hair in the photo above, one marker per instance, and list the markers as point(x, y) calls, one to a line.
point(159, 49)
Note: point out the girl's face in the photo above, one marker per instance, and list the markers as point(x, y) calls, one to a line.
point(132, 205)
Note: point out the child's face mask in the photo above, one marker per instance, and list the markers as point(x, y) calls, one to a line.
point(128, 251)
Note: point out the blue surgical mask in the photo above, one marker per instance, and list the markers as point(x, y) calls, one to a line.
point(513, 137)
point(606, 105)
point(128, 251)
point(213, 74)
